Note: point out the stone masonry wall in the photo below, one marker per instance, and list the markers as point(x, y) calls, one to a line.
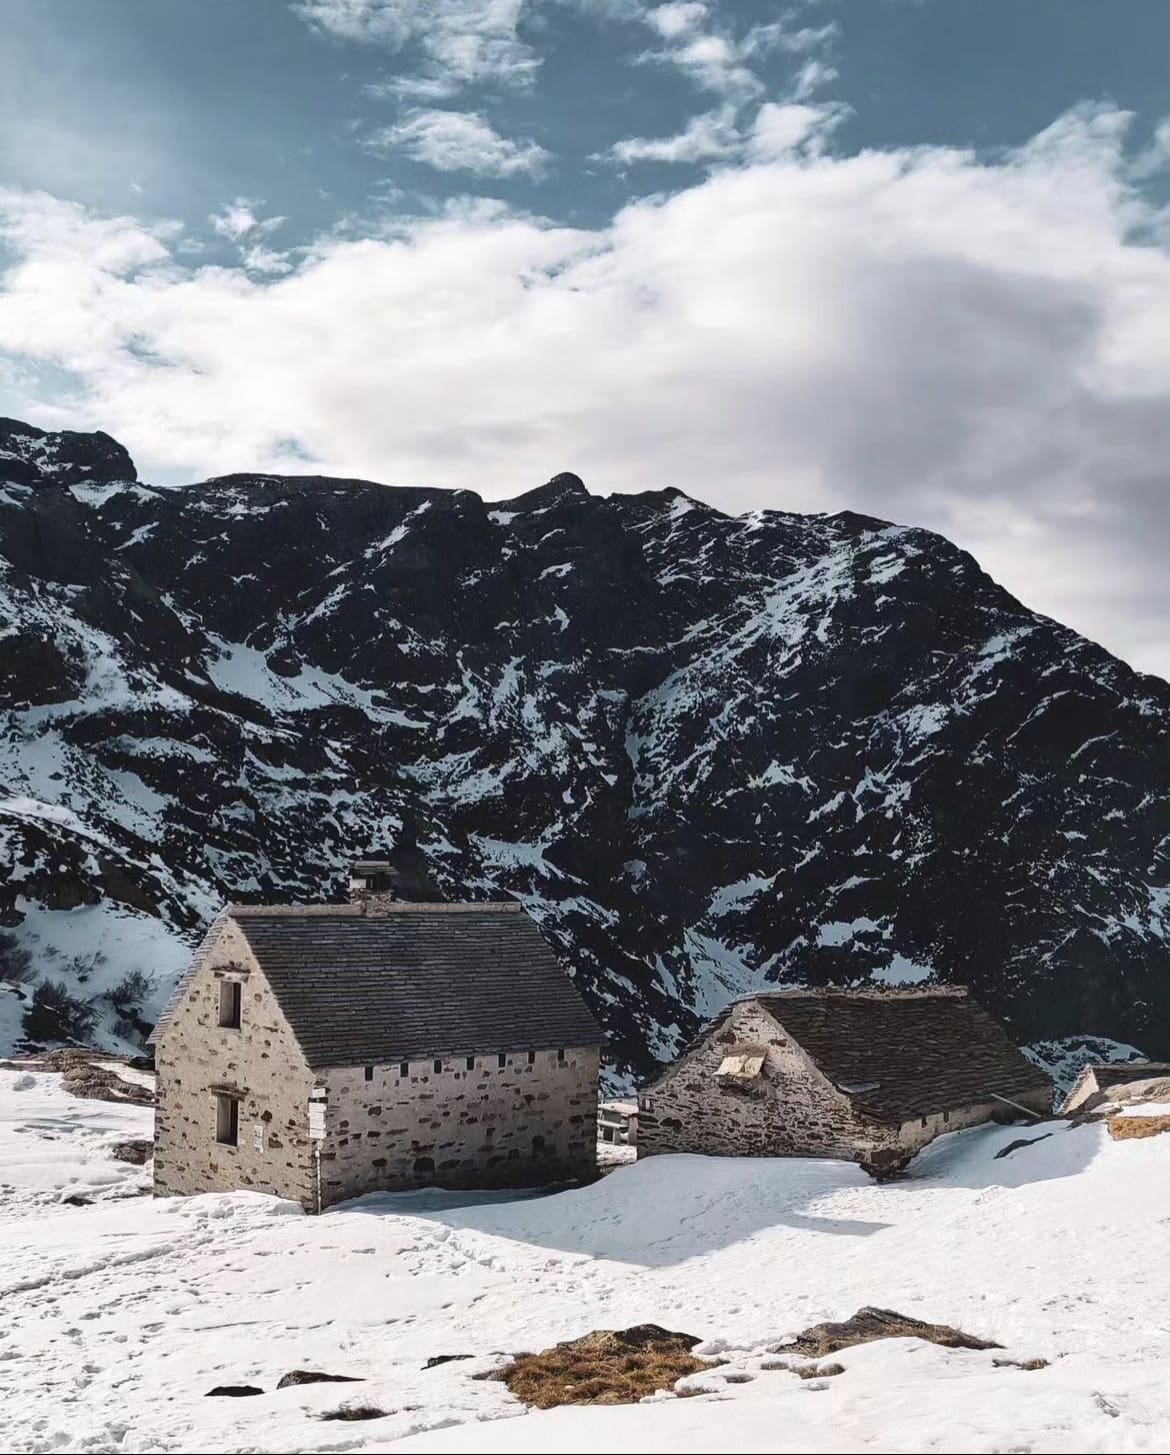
point(261, 1061)
point(790, 1110)
point(917, 1132)
point(529, 1122)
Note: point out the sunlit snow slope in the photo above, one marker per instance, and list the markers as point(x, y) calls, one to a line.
point(120, 1316)
point(705, 751)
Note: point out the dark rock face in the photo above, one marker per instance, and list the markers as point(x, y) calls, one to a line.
point(868, 1324)
point(29, 456)
point(313, 1376)
point(707, 753)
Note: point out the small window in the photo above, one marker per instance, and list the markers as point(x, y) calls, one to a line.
point(404, 1068)
point(561, 1055)
point(227, 1121)
point(646, 1103)
point(502, 1060)
point(532, 1058)
point(438, 1066)
point(946, 1116)
point(923, 1121)
point(369, 1073)
point(229, 1004)
point(471, 1063)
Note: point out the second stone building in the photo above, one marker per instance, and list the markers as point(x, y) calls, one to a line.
point(323, 1052)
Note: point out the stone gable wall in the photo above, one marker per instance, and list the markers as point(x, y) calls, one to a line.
point(261, 1060)
point(789, 1111)
point(520, 1125)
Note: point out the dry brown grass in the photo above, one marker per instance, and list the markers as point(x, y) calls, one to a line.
point(605, 1367)
point(1122, 1129)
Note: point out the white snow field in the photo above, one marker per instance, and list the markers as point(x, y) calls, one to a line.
point(119, 1316)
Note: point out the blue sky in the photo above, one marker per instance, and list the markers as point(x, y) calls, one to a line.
point(906, 256)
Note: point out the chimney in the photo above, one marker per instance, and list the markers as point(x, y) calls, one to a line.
point(402, 874)
point(372, 882)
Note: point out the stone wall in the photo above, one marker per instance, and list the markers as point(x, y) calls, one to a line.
point(917, 1132)
point(529, 1122)
point(790, 1110)
point(261, 1061)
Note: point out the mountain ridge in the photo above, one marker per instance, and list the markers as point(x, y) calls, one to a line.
point(707, 752)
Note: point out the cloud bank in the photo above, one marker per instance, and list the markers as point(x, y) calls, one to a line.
point(979, 346)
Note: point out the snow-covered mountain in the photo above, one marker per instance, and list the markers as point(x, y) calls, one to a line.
point(705, 751)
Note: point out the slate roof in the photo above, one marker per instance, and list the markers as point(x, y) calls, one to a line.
point(415, 981)
point(904, 1054)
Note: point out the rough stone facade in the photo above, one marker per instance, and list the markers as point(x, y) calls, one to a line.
point(260, 1062)
point(529, 1122)
point(789, 1110)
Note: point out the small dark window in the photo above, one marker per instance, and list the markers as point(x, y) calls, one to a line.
point(532, 1058)
point(227, 1120)
point(923, 1121)
point(946, 1116)
point(471, 1063)
point(537, 1146)
point(369, 1073)
point(502, 1060)
point(404, 1068)
point(229, 1004)
point(561, 1055)
point(423, 1164)
point(438, 1066)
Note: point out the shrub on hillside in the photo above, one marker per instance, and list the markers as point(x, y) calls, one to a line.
point(15, 960)
point(132, 989)
point(55, 1015)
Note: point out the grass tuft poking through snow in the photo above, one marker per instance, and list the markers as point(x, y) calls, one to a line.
point(606, 1367)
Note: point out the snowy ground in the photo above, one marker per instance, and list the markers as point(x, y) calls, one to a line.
point(121, 1315)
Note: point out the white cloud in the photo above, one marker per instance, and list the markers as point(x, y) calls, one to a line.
point(811, 77)
point(671, 21)
point(459, 41)
point(241, 224)
point(461, 141)
point(235, 220)
point(711, 137)
point(781, 128)
point(978, 346)
point(716, 60)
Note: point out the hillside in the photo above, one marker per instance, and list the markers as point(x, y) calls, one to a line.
point(705, 751)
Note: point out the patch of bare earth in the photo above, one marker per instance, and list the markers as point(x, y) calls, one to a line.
point(606, 1367)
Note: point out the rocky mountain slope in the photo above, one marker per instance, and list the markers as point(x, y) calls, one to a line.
point(705, 751)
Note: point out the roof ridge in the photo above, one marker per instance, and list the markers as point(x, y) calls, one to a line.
point(368, 910)
point(849, 992)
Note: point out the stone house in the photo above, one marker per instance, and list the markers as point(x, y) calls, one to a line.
point(322, 1052)
point(1096, 1084)
point(866, 1076)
